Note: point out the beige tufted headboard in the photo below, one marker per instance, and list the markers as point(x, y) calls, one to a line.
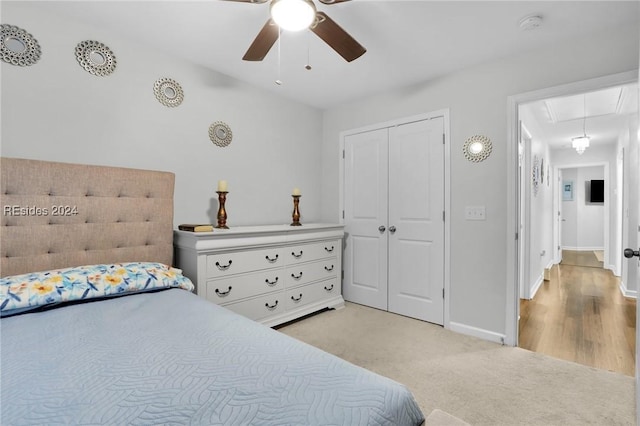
point(57, 215)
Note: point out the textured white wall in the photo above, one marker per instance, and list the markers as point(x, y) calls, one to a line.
point(477, 99)
point(540, 205)
point(54, 110)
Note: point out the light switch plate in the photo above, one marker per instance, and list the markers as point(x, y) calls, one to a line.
point(474, 213)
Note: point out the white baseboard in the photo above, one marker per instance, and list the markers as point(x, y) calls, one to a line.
point(491, 336)
point(633, 294)
point(536, 286)
point(582, 248)
point(613, 270)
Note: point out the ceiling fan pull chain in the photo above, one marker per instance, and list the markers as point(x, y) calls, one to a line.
point(278, 81)
point(308, 66)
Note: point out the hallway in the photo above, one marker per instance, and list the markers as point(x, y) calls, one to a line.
point(580, 315)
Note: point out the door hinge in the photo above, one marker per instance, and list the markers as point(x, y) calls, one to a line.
point(342, 275)
point(443, 217)
point(343, 153)
point(443, 293)
point(343, 214)
point(516, 236)
point(443, 139)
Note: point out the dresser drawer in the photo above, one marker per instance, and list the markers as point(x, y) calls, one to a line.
point(308, 252)
point(260, 307)
point(308, 272)
point(228, 290)
point(311, 293)
point(225, 264)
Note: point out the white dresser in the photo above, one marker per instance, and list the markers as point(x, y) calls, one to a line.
point(271, 274)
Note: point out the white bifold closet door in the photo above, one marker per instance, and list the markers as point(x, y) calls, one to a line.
point(394, 224)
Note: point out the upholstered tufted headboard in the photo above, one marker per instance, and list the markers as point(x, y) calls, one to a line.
point(57, 215)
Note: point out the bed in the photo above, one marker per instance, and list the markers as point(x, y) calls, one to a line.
point(98, 328)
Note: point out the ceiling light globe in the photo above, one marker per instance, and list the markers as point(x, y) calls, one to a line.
point(293, 15)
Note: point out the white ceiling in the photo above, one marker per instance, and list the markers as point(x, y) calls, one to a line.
point(407, 41)
point(602, 115)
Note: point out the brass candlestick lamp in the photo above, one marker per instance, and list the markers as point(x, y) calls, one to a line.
point(222, 198)
point(296, 209)
point(222, 213)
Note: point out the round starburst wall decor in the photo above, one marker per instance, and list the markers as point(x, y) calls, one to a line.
point(18, 47)
point(168, 92)
point(477, 148)
point(95, 57)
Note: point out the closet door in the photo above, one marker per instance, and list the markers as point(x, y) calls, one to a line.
point(416, 223)
point(365, 195)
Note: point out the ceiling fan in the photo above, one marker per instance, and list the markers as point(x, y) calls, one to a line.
point(296, 15)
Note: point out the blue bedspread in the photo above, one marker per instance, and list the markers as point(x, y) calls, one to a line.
point(173, 358)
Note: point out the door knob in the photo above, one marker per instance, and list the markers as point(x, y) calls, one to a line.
point(629, 253)
point(382, 228)
point(392, 229)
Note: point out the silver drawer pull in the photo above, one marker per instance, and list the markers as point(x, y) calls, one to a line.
point(223, 293)
point(328, 288)
point(328, 269)
point(271, 283)
point(270, 260)
point(296, 277)
point(271, 307)
point(297, 256)
point(329, 250)
point(297, 299)
point(224, 267)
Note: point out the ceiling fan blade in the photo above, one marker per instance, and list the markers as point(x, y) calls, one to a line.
point(337, 38)
point(325, 1)
point(255, 1)
point(263, 42)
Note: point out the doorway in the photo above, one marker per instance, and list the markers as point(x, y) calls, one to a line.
point(553, 271)
point(578, 312)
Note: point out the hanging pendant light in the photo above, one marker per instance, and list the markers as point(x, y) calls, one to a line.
point(581, 143)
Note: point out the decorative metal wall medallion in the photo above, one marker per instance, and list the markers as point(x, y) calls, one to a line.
point(220, 134)
point(95, 57)
point(535, 174)
point(477, 148)
point(168, 92)
point(18, 47)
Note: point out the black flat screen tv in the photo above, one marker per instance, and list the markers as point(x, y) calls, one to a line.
point(597, 191)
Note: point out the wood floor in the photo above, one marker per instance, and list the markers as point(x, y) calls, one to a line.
point(580, 315)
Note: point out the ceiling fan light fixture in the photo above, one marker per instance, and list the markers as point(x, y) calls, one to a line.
point(293, 15)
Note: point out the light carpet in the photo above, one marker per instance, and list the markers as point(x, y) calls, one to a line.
point(480, 382)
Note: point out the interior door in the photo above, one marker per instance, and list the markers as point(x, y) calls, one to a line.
point(366, 200)
point(416, 223)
